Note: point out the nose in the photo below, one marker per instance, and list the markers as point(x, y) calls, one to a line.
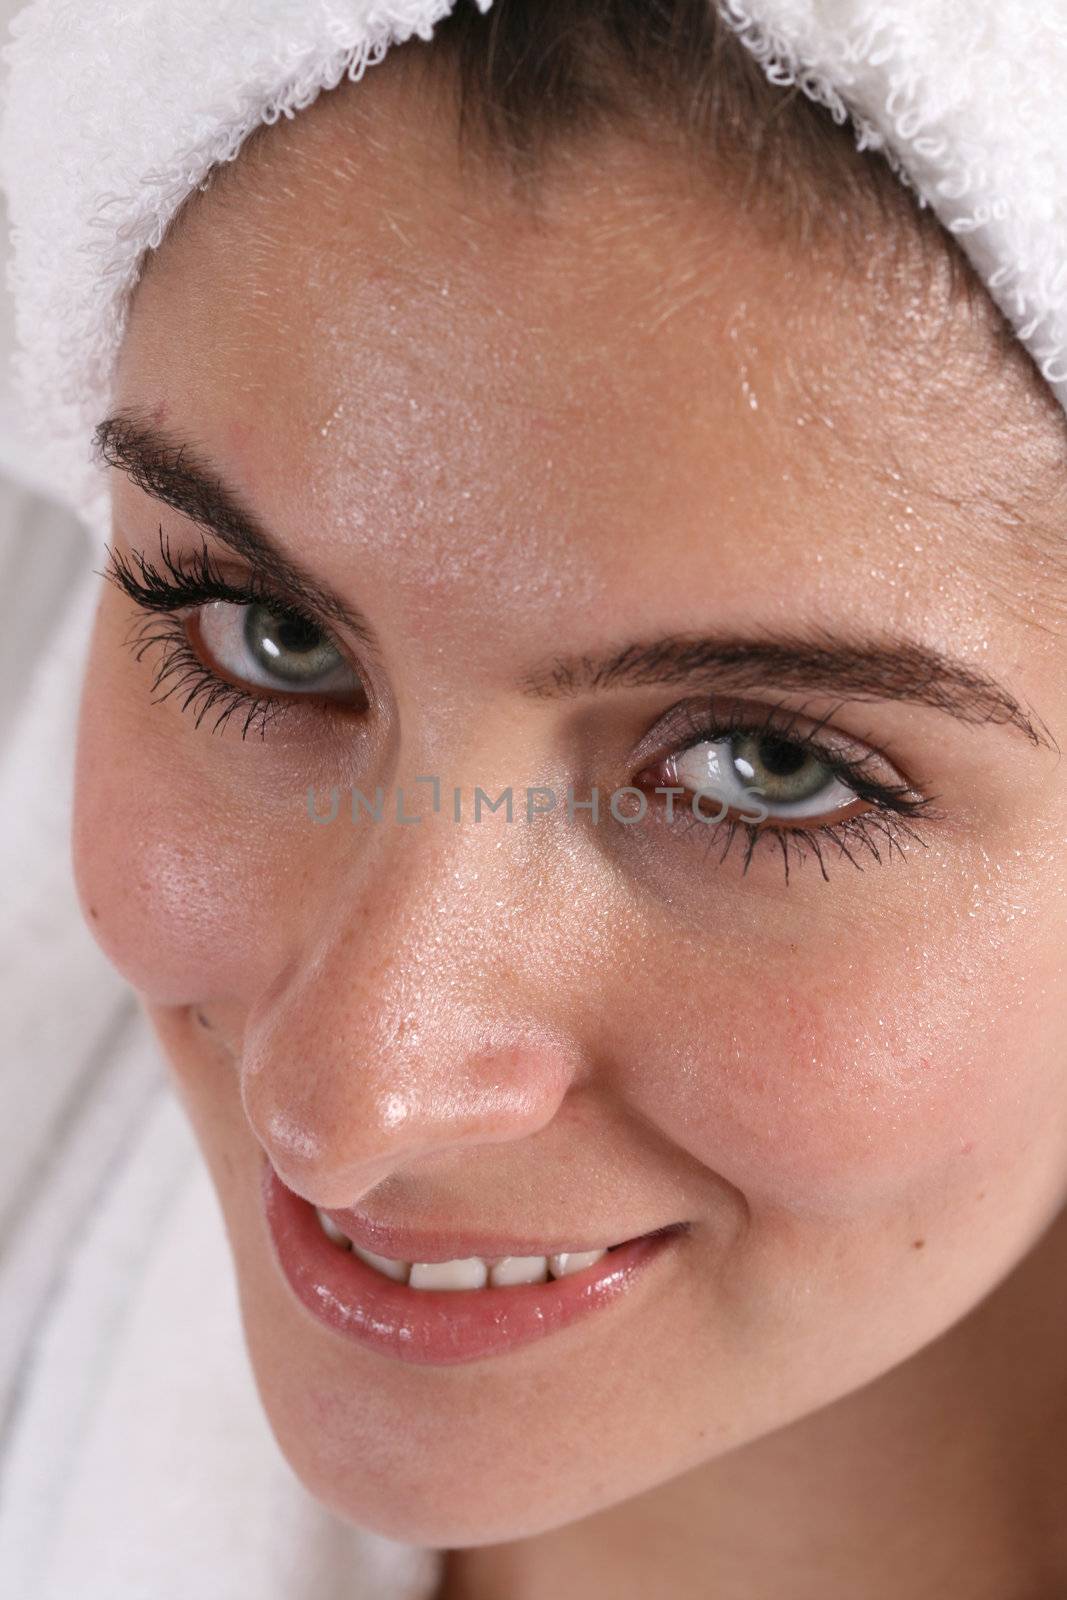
point(416, 1020)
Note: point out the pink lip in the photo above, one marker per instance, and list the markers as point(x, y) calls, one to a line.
point(437, 1327)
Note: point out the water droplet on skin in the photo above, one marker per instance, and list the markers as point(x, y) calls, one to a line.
point(339, 412)
point(394, 1111)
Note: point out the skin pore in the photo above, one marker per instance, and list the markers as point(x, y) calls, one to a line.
point(506, 434)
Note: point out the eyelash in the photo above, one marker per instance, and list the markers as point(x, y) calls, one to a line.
point(194, 580)
point(896, 804)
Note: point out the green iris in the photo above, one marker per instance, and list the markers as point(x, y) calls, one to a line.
point(287, 647)
point(781, 770)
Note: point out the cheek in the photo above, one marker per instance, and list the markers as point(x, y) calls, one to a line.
point(172, 879)
point(841, 1079)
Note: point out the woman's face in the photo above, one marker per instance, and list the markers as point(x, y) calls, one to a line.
point(625, 493)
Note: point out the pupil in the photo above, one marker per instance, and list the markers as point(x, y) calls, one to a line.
point(293, 633)
point(780, 758)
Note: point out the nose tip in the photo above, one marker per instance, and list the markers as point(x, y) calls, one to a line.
point(335, 1135)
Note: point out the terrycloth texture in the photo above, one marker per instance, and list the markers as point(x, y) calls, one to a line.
point(115, 112)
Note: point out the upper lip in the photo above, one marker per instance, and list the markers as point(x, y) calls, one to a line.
point(441, 1244)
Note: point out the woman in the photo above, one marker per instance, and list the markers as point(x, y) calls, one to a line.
point(568, 762)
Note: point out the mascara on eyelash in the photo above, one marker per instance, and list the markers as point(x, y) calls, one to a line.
point(188, 672)
point(862, 829)
point(194, 579)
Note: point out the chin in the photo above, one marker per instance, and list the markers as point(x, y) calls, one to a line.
point(434, 1492)
point(408, 1454)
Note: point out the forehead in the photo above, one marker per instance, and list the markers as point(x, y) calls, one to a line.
point(394, 353)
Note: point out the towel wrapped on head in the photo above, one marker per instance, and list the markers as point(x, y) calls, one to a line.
point(111, 120)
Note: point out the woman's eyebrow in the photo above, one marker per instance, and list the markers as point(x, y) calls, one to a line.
point(849, 667)
point(846, 666)
point(181, 476)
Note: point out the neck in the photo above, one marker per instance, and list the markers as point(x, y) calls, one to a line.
point(944, 1476)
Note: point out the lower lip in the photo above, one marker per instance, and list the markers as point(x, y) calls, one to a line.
point(438, 1327)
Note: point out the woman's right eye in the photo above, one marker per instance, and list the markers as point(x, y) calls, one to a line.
point(267, 648)
point(229, 647)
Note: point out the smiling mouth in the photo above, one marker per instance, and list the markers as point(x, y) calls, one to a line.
point(446, 1311)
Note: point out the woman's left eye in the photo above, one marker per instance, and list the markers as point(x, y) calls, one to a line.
point(782, 778)
point(260, 647)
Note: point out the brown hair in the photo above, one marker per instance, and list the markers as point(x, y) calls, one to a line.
point(533, 73)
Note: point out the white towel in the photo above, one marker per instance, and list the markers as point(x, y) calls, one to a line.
point(966, 97)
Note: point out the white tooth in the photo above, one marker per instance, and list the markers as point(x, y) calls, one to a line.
point(331, 1230)
point(392, 1269)
point(518, 1269)
point(573, 1261)
point(469, 1274)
